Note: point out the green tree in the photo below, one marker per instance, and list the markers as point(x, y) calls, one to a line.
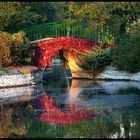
point(126, 12)
point(52, 11)
point(17, 15)
point(7, 10)
point(106, 13)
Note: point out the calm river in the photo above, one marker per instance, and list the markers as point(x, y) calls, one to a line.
point(66, 108)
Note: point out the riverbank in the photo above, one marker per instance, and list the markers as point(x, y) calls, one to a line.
point(20, 76)
point(20, 83)
point(113, 73)
point(30, 75)
point(20, 94)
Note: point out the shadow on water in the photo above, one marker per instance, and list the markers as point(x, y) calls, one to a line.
point(77, 109)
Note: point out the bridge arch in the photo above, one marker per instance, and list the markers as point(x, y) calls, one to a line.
point(68, 47)
point(72, 39)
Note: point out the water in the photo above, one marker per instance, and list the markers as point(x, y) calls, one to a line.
point(88, 109)
point(63, 107)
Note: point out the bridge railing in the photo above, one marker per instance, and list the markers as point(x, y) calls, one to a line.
point(56, 29)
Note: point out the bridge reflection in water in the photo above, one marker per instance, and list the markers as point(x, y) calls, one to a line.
point(108, 110)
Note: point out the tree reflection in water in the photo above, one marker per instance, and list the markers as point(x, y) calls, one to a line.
point(12, 122)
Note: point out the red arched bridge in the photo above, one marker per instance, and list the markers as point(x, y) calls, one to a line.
point(72, 38)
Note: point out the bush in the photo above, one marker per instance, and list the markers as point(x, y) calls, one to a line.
point(20, 48)
point(5, 45)
point(127, 56)
point(96, 60)
point(14, 49)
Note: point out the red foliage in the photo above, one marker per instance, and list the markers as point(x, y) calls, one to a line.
point(56, 115)
point(47, 49)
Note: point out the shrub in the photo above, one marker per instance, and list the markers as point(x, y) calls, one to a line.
point(127, 56)
point(96, 60)
point(19, 49)
point(5, 45)
point(14, 49)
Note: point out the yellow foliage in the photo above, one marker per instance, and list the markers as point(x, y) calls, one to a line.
point(11, 46)
point(5, 44)
point(8, 128)
point(18, 40)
